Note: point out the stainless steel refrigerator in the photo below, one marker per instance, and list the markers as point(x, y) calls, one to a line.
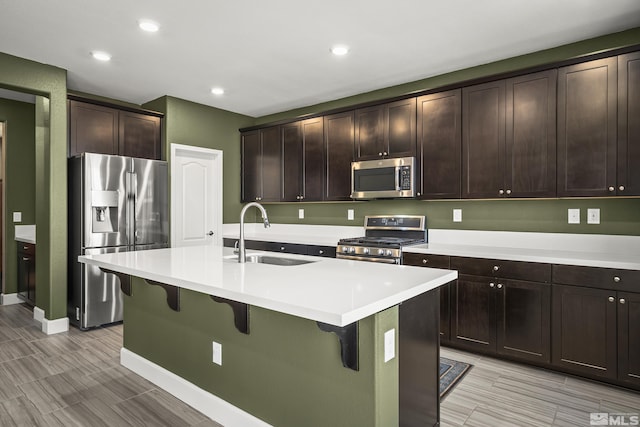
point(116, 204)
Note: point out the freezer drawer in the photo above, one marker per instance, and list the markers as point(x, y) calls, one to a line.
point(101, 298)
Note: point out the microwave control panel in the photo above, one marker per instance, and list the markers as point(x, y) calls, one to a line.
point(405, 177)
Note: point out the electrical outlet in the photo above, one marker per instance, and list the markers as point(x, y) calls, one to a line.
point(457, 215)
point(574, 216)
point(350, 215)
point(17, 217)
point(593, 216)
point(217, 353)
point(301, 213)
point(389, 345)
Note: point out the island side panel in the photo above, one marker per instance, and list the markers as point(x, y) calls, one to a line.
point(286, 371)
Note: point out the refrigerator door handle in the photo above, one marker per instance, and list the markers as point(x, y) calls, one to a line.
point(132, 185)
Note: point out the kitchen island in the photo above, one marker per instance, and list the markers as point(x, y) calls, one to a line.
point(279, 365)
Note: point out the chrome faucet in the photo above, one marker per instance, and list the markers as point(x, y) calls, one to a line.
point(242, 255)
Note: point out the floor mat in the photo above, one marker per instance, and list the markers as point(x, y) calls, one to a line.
point(451, 372)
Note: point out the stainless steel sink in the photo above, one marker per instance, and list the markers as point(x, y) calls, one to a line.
point(273, 260)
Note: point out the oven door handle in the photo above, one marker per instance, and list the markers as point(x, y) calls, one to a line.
point(356, 258)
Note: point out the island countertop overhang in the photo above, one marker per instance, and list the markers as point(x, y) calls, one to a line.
point(333, 291)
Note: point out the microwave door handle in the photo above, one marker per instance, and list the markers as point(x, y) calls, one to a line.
point(398, 173)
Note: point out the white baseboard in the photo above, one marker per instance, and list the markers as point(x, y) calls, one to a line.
point(209, 404)
point(9, 299)
point(50, 327)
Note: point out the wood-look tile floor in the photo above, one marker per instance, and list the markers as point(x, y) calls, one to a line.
point(495, 393)
point(75, 379)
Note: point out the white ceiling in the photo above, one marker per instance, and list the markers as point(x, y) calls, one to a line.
point(272, 56)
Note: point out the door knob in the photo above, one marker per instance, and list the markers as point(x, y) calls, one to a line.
point(210, 233)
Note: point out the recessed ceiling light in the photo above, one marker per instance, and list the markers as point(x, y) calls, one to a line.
point(340, 50)
point(217, 91)
point(101, 56)
point(149, 26)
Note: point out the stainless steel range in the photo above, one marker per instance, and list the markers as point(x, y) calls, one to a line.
point(384, 238)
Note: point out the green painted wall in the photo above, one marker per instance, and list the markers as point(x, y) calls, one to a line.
point(618, 216)
point(50, 175)
point(195, 124)
point(19, 183)
point(286, 371)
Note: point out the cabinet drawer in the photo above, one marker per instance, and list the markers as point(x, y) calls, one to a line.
point(595, 277)
point(426, 260)
point(26, 248)
point(323, 251)
point(531, 271)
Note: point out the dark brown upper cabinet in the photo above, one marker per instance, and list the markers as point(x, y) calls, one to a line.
point(338, 150)
point(628, 182)
point(261, 165)
point(387, 130)
point(303, 160)
point(509, 137)
point(439, 140)
point(108, 130)
point(587, 124)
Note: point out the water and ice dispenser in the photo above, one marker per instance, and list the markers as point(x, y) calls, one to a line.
point(104, 211)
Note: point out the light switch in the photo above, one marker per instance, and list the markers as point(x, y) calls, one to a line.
point(574, 216)
point(593, 216)
point(457, 215)
point(350, 214)
point(17, 217)
point(389, 345)
point(301, 213)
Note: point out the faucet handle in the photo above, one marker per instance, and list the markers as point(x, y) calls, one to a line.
point(266, 222)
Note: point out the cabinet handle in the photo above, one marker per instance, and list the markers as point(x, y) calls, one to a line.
point(616, 279)
point(499, 285)
point(508, 191)
point(417, 194)
point(612, 189)
point(492, 285)
point(496, 267)
point(380, 154)
point(621, 188)
point(611, 299)
point(301, 197)
point(424, 260)
point(384, 153)
point(25, 259)
point(501, 192)
point(622, 301)
point(282, 248)
point(320, 251)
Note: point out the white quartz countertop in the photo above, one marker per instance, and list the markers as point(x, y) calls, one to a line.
point(626, 261)
point(334, 291)
point(25, 233)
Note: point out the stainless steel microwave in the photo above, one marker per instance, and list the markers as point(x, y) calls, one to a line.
point(385, 178)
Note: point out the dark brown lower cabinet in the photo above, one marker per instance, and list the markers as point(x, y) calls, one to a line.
point(503, 316)
point(629, 337)
point(584, 330)
point(27, 272)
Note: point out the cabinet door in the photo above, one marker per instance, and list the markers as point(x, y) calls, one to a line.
point(92, 129)
point(369, 133)
point(524, 319)
point(483, 136)
point(292, 162)
point(584, 330)
point(628, 337)
point(139, 136)
point(338, 150)
point(400, 128)
point(313, 160)
point(473, 313)
point(445, 312)
point(530, 141)
point(439, 145)
point(587, 122)
point(628, 182)
point(271, 164)
point(251, 166)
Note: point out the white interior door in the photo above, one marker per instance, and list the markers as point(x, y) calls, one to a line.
point(196, 196)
